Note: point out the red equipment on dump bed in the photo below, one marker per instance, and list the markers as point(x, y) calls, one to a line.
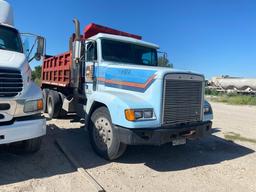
point(56, 70)
point(93, 29)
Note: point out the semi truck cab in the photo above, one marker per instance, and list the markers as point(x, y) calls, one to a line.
point(21, 101)
point(128, 99)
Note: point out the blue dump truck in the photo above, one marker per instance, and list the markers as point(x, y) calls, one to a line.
point(113, 80)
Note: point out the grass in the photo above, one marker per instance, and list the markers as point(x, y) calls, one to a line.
point(235, 99)
point(231, 98)
point(212, 92)
point(237, 137)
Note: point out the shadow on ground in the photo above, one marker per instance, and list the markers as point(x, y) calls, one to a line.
point(47, 162)
point(51, 161)
point(211, 150)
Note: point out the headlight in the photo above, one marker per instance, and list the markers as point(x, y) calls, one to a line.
point(139, 114)
point(206, 109)
point(32, 106)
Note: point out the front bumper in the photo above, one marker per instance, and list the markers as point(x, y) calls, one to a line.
point(164, 134)
point(22, 129)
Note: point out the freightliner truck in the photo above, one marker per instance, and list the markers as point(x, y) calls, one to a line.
point(112, 79)
point(21, 104)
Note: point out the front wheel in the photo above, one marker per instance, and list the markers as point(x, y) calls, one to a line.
point(103, 135)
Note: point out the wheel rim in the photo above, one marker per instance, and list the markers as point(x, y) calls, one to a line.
point(102, 133)
point(49, 105)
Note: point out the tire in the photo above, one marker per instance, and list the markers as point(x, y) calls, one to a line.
point(27, 146)
point(45, 95)
point(104, 136)
point(54, 104)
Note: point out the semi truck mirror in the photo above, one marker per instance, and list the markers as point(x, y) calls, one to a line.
point(40, 48)
point(163, 60)
point(91, 51)
point(94, 51)
point(34, 46)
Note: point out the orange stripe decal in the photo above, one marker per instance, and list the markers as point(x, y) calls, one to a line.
point(130, 84)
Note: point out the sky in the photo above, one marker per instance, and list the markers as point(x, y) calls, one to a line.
point(213, 37)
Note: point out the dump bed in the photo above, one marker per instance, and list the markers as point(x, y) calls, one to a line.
point(56, 70)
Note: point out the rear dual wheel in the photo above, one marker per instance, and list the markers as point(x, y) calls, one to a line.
point(104, 136)
point(54, 104)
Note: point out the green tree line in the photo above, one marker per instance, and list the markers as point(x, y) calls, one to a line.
point(36, 74)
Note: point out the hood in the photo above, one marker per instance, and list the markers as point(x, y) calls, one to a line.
point(11, 59)
point(135, 70)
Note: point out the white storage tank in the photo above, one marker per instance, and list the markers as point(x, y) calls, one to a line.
point(235, 83)
point(6, 13)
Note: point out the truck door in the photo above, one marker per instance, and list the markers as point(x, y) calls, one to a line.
point(90, 63)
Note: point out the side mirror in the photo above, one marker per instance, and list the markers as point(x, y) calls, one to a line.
point(94, 57)
point(91, 51)
point(163, 60)
point(40, 48)
point(37, 48)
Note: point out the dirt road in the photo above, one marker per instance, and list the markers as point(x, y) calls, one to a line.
point(211, 164)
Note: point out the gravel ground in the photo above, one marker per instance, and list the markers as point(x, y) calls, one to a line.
point(210, 164)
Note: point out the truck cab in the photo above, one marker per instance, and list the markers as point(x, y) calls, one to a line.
point(21, 124)
point(128, 99)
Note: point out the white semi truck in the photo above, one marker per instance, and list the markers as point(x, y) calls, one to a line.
point(21, 123)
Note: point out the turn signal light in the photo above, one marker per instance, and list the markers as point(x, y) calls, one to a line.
point(39, 104)
point(130, 115)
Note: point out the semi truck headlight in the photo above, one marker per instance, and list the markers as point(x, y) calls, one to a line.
point(139, 114)
point(207, 109)
point(32, 106)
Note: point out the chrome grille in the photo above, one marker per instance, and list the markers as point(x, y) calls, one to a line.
point(10, 82)
point(182, 100)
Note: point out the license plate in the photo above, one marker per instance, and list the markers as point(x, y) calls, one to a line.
point(179, 142)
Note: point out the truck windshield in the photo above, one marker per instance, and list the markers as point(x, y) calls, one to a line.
point(128, 53)
point(10, 39)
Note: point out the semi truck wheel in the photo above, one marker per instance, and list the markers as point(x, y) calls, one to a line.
point(45, 95)
point(103, 135)
point(27, 146)
point(54, 104)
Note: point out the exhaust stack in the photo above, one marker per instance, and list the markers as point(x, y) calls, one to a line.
point(77, 29)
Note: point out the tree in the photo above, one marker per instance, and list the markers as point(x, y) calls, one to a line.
point(36, 73)
point(164, 62)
